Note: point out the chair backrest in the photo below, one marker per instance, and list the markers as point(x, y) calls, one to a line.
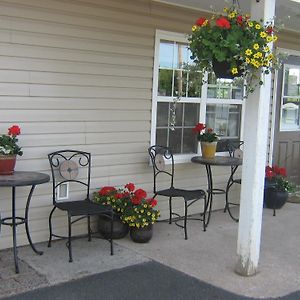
point(72, 167)
point(234, 148)
point(160, 157)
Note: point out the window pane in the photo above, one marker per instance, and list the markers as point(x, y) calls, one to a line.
point(190, 142)
point(224, 119)
point(165, 82)
point(292, 81)
point(166, 54)
point(162, 114)
point(180, 80)
point(180, 56)
point(162, 137)
point(290, 114)
point(191, 114)
point(175, 140)
point(194, 84)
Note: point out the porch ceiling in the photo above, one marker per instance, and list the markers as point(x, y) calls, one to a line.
point(284, 8)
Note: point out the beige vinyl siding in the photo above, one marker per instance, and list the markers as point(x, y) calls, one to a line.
point(78, 74)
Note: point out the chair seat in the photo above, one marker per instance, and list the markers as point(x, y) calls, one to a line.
point(83, 207)
point(186, 194)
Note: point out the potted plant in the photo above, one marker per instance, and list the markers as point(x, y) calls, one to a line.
point(9, 149)
point(118, 199)
point(233, 45)
point(140, 215)
point(277, 187)
point(208, 139)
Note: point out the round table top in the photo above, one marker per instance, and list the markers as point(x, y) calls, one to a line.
point(23, 179)
point(218, 161)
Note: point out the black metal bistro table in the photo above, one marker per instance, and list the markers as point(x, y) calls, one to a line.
point(217, 161)
point(21, 179)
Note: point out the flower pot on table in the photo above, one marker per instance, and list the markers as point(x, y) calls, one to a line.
point(7, 164)
point(208, 149)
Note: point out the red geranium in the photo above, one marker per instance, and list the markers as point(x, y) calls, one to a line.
point(199, 128)
point(239, 20)
point(130, 187)
point(223, 23)
point(140, 193)
point(152, 202)
point(14, 130)
point(200, 21)
point(106, 190)
point(136, 200)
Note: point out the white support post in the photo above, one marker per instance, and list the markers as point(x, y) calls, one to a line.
point(255, 137)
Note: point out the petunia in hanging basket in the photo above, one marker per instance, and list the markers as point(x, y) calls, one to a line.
point(234, 42)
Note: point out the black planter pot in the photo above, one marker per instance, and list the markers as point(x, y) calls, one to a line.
point(222, 69)
point(141, 235)
point(120, 229)
point(275, 199)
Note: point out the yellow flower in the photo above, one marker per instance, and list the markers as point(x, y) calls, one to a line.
point(250, 24)
point(256, 46)
point(266, 63)
point(257, 55)
point(266, 49)
point(269, 39)
point(205, 23)
point(248, 52)
point(262, 34)
point(148, 213)
point(144, 220)
point(225, 9)
point(141, 211)
point(247, 60)
point(257, 26)
point(234, 71)
point(232, 15)
point(270, 56)
point(194, 28)
point(145, 205)
point(275, 38)
point(137, 225)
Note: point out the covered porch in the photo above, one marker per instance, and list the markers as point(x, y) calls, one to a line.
point(207, 256)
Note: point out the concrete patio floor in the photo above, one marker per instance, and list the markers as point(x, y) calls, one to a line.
point(209, 256)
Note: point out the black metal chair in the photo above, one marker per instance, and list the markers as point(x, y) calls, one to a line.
point(72, 168)
point(159, 156)
point(234, 150)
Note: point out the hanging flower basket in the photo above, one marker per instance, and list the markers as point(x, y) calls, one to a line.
point(241, 45)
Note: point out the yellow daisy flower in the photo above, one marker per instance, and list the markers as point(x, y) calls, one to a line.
point(225, 9)
point(247, 60)
point(234, 71)
point(232, 15)
point(262, 34)
point(194, 28)
point(257, 55)
point(248, 52)
point(256, 46)
point(250, 24)
point(270, 56)
point(275, 38)
point(257, 26)
point(266, 49)
point(269, 39)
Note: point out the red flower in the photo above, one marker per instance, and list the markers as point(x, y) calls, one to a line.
point(223, 23)
point(135, 200)
point(152, 202)
point(199, 127)
point(200, 21)
point(130, 187)
point(269, 30)
point(119, 195)
point(282, 172)
point(140, 194)
point(239, 20)
point(106, 190)
point(14, 130)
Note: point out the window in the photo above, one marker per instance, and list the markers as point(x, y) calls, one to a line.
point(290, 108)
point(184, 96)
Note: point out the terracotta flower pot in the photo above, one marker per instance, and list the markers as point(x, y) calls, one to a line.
point(208, 149)
point(7, 164)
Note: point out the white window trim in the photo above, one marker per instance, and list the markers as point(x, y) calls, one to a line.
point(181, 38)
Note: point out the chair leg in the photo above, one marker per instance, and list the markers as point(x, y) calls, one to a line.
point(204, 213)
point(185, 219)
point(89, 229)
point(111, 235)
point(50, 226)
point(69, 239)
point(170, 210)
